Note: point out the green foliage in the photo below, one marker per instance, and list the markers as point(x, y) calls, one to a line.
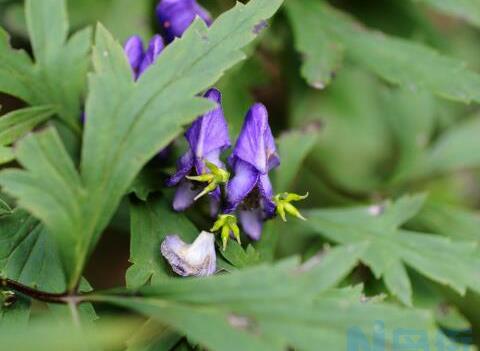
point(269, 307)
point(56, 57)
point(399, 61)
point(390, 248)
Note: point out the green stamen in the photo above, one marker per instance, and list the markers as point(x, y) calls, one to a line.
point(227, 224)
point(284, 206)
point(216, 177)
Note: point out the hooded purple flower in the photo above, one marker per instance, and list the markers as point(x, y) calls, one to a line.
point(175, 16)
point(139, 59)
point(207, 138)
point(250, 190)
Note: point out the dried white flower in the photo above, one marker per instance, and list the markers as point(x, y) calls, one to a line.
point(197, 259)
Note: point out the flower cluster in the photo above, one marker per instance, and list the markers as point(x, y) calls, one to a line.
point(249, 194)
point(200, 171)
point(175, 16)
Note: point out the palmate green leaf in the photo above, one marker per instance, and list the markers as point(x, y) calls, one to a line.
point(468, 10)
point(396, 60)
point(127, 124)
point(321, 55)
point(272, 307)
point(59, 73)
point(390, 249)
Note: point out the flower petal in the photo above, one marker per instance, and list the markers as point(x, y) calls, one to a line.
point(197, 259)
point(265, 187)
point(154, 50)
point(184, 196)
point(134, 50)
point(252, 222)
point(256, 145)
point(175, 16)
point(184, 166)
point(242, 183)
point(209, 132)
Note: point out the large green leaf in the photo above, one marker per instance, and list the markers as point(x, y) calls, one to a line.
point(273, 308)
point(59, 73)
point(397, 60)
point(390, 249)
point(127, 124)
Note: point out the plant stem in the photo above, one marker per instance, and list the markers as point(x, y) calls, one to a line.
point(58, 298)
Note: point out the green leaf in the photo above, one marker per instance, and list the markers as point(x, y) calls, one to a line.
point(18, 123)
point(293, 148)
point(271, 307)
point(58, 75)
point(127, 124)
point(50, 188)
point(151, 221)
point(239, 257)
point(321, 55)
point(468, 10)
point(452, 263)
point(28, 254)
point(396, 60)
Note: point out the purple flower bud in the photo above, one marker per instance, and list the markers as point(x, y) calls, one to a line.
point(175, 16)
point(207, 138)
point(139, 59)
point(250, 190)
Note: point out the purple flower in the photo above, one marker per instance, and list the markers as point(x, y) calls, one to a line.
point(250, 190)
point(207, 138)
point(139, 59)
point(175, 16)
